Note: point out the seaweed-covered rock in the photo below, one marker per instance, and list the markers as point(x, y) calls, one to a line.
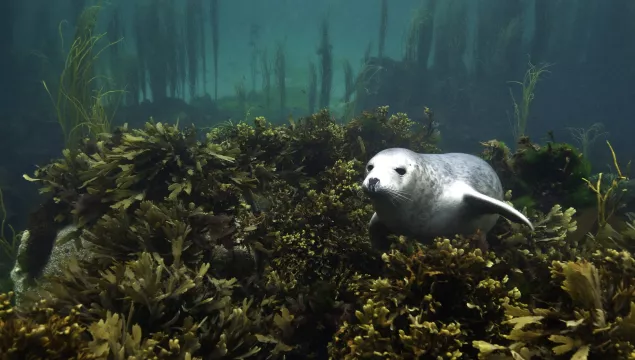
point(197, 185)
point(233, 244)
point(318, 243)
point(250, 241)
point(593, 320)
point(376, 131)
point(428, 302)
point(542, 175)
point(26, 272)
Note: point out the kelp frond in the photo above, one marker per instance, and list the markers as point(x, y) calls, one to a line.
point(75, 107)
point(604, 196)
point(9, 246)
point(528, 85)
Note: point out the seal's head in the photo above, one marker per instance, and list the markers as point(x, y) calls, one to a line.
point(390, 174)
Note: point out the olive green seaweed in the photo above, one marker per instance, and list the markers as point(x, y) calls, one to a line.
point(78, 103)
point(250, 242)
point(606, 204)
point(528, 86)
point(586, 137)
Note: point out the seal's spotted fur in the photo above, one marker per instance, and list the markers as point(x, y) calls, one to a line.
point(430, 195)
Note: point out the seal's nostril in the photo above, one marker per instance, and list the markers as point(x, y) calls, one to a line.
point(372, 184)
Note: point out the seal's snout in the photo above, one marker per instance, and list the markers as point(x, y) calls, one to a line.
point(373, 184)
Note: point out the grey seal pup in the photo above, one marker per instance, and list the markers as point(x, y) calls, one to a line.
point(429, 195)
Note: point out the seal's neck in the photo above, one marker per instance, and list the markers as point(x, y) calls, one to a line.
point(384, 205)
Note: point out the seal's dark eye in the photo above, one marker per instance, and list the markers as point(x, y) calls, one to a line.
point(400, 171)
point(369, 167)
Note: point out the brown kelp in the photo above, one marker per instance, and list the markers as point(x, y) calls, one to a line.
point(383, 27)
point(326, 65)
point(142, 51)
point(172, 52)
point(418, 37)
point(154, 49)
point(202, 39)
point(161, 42)
point(193, 26)
point(265, 71)
point(254, 45)
point(214, 21)
point(349, 81)
point(313, 85)
point(115, 32)
point(241, 97)
point(280, 71)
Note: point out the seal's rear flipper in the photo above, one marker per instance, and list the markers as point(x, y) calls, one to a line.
point(494, 206)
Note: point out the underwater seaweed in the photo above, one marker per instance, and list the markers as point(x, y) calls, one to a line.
point(528, 85)
point(428, 301)
point(553, 172)
point(40, 332)
point(250, 241)
point(607, 197)
point(594, 320)
point(166, 217)
point(75, 105)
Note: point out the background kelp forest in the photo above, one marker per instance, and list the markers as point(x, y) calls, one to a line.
point(464, 59)
point(181, 220)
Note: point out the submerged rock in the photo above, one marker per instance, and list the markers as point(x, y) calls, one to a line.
point(238, 261)
point(27, 277)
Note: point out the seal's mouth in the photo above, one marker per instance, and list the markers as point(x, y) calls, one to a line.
point(372, 193)
point(372, 187)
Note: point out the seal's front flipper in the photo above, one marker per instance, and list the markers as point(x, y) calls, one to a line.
point(491, 205)
point(378, 234)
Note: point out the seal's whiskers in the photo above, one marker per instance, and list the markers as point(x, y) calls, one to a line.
point(398, 195)
point(403, 195)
